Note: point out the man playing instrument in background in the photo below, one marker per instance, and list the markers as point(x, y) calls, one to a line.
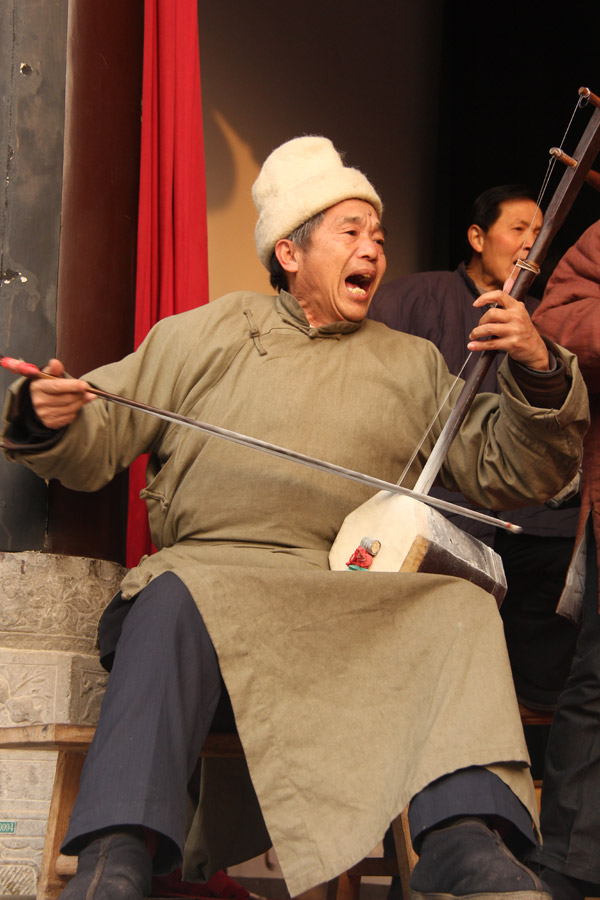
point(503, 225)
point(353, 693)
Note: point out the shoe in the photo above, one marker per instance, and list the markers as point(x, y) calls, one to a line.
point(468, 859)
point(114, 866)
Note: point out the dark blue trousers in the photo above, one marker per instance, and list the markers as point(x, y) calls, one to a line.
point(570, 813)
point(159, 704)
point(164, 690)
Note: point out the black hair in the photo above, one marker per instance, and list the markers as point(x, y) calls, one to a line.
point(277, 275)
point(486, 209)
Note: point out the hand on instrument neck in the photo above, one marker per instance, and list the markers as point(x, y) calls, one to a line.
point(507, 327)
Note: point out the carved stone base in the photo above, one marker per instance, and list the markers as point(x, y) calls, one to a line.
point(51, 602)
point(49, 672)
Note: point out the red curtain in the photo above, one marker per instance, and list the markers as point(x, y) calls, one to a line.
point(172, 265)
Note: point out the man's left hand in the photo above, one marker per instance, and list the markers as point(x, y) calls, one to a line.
point(508, 327)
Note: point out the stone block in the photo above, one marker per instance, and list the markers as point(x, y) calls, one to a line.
point(39, 686)
point(49, 672)
point(53, 602)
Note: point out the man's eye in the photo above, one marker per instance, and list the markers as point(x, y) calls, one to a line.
point(380, 241)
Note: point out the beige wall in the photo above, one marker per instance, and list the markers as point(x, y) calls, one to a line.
point(364, 75)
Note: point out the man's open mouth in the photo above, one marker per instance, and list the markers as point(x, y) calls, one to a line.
point(359, 284)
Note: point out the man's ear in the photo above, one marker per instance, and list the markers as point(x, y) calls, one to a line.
point(476, 237)
point(287, 254)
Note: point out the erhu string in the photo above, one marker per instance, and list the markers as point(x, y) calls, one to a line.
point(580, 103)
point(434, 419)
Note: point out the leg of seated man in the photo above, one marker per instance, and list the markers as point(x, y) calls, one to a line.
point(462, 825)
point(474, 791)
point(160, 701)
point(159, 704)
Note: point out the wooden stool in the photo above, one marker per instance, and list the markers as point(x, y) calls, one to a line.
point(347, 885)
point(536, 717)
point(72, 742)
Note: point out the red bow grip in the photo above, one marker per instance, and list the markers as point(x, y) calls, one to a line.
point(19, 367)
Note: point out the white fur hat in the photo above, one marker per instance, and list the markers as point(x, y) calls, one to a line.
point(299, 179)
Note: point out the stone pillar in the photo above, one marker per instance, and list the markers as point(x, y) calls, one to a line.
point(70, 82)
point(49, 672)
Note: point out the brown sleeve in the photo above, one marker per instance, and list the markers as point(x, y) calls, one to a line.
point(546, 390)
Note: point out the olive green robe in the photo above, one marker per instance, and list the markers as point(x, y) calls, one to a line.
point(351, 690)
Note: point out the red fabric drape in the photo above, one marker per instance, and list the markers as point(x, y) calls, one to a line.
point(172, 265)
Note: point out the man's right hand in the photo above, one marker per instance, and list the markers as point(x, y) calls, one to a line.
point(57, 401)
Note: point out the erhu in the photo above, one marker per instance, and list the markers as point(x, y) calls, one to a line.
point(390, 533)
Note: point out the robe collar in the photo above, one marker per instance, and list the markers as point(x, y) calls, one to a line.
point(291, 312)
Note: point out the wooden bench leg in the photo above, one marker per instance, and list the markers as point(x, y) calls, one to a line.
point(331, 890)
point(348, 886)
point(64, 791)
point(405, 854)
